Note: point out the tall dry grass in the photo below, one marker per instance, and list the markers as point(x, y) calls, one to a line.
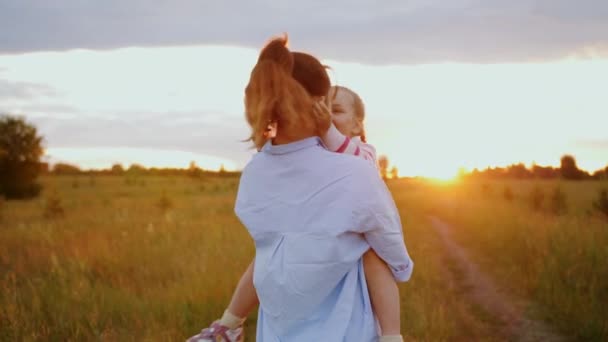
point(157, 258)
point(555, 255)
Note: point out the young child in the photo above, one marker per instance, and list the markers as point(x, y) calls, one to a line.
point(345, 135)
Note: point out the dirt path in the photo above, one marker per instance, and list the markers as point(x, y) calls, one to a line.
point(505, 315)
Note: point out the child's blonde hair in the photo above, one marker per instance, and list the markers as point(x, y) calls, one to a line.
point(358, 106)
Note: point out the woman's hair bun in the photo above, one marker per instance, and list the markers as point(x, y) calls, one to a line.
point(276, 51)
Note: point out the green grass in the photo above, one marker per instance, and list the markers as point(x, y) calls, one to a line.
point(120, 266)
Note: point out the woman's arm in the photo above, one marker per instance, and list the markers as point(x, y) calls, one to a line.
point(378, 219)
point(387, 241)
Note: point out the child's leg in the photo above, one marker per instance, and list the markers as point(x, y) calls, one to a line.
point(243, 301)
point(384, 293)
point(229, 328)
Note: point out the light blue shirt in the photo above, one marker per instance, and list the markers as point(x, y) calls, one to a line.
point(313, 214)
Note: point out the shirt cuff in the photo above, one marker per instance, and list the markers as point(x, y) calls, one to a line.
point(403, 273)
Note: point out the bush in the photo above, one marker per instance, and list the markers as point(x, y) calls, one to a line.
point(21, 190)
point(53, 207)
point(536, 198)
point(507, 193)
point(601, 203)
point(164, 203)
point(66, 169)
point(486, 189)
point(559, 204)
point(2, 200)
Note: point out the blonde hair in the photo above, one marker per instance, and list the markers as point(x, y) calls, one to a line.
point(358, 106)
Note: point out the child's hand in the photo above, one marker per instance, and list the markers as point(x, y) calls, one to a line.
point(322, 115)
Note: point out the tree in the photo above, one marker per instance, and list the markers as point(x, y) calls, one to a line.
point(518, 171)
point(136, 169)
point(568, 168)
point(117, 169)
point(394, 172)
point(66, 169)
point(383, 166)
point(20, 153)
point(544, 172)
point(601, 174)
point(194, 171)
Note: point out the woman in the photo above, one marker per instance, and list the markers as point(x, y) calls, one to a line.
point(312, 213)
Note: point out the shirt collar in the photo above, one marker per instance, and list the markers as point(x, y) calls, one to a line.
point(291, 147)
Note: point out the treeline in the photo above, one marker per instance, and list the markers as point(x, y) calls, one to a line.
point(567, 170)
point(135, 169)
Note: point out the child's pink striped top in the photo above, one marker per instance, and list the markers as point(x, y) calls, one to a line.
point(339, 143)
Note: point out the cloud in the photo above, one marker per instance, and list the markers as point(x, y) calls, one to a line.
point(33, 99)
point(19, 90)
point(205, 133)
point(420, 31)
point(593, 144)
point(43, 109)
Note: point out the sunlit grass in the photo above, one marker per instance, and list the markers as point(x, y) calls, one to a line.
point(556, 260)
point(157, 258)
point(117, 265)
point(121, 265)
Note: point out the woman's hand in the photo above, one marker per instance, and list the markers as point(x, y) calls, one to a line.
point(322, 115)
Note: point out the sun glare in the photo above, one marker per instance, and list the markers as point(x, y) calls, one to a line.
point(441, 177)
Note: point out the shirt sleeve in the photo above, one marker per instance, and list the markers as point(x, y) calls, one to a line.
point(339, 143)
point(380, 223)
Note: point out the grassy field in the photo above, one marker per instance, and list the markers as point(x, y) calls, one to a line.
point(556, 258)
point(157, 258)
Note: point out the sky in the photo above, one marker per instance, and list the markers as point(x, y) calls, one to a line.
point(445, 84)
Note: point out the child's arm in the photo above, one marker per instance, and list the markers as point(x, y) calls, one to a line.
point(339, 143)
point(243, 301)
point(383, 293)
point(244, 298)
